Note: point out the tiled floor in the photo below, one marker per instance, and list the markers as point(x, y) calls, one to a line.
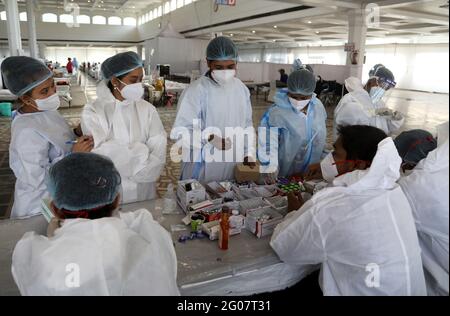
point(423, 110)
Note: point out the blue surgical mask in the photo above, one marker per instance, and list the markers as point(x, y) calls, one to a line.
point(376, 94)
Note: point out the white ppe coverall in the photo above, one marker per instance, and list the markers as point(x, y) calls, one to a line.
point(38, 140)
point(361, 231)
point(357, 108)
point(130, 255)
point(216, 107)
point(427, 191)
point(131, 134)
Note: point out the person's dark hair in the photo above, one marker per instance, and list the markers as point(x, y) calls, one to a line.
point(104, 211)
point(110, 86)
point(282, 71)
point(361, 141)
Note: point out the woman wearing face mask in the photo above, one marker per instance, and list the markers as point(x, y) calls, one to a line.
point(216, 101)
point(300, 119)
point(365, 106)
point(126, 128)
point(39, 134)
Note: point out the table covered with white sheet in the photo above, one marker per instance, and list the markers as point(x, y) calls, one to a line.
point(249, 266)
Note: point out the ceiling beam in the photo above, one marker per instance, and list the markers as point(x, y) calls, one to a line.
point(417, 16)
point(325, 3)
point(94, 5)
point(265, 20)
point(395, 3)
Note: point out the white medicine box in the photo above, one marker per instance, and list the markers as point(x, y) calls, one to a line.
point(262, 222)
point(190, 192)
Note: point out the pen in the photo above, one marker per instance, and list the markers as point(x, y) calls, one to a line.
point(71, 142)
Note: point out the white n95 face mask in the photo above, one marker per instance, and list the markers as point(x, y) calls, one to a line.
point(299, 104)
point(133, 92)
point(51, 103)
point(329, 169)
point(376, 94)
point(223, 77)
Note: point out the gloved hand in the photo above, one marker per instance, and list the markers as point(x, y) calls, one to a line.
point(54, 224)
point(384, 112)
point(220, 143)
point(397, 116)
point(295, 201)
point(270, 178)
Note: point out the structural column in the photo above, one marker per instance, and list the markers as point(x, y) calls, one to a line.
point(263, 55)
point(139, 51)
point(13, 28)
point(31, 23)
point(42, 47)
point(148, 51)
point(357, 37)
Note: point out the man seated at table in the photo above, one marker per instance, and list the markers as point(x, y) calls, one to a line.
point(361, 230)
point(90, 249)
point(283, 76)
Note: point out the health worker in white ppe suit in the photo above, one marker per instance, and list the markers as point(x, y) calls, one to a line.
point(364, 105)
point(361, 230)
point(127, 128)
point(92, 250)
point(426, 185)
point(212, 104)
point(39, 134)
point(300, 119)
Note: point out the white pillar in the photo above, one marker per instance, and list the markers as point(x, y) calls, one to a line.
point(139, 51)
point(31, 23)
point(13, 28)
point(357, 36)
point(42, 50)
point(263, 54)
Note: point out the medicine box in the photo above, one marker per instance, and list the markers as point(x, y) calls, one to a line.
point(190, 192)
point(259, 226)
point(243, 173)
point(212, 229)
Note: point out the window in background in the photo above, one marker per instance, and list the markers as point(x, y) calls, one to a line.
point(23, 16)
point(98, 19)
point(129, 21)
point(167, 7)
point(83, 19)
point(66, 18)
point(114, 20)
point(49, 18)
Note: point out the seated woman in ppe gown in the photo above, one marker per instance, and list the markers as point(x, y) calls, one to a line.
point(426, 184)
point(40, 136)
point(364, 105)
point(126, 128)
point(91, 250)
point(360, 230)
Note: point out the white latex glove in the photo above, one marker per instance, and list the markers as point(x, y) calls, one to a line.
point(397, 116)
point(54, 224)
point(220, 143)
point(384, 112)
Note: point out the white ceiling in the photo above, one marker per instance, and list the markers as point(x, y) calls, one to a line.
point(326, 23)
point(398, 20)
